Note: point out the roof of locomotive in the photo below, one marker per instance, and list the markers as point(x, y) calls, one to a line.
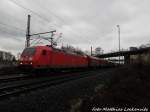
point(42, 47)
point(56, 49)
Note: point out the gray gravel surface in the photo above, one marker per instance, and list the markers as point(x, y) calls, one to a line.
point(55, 98)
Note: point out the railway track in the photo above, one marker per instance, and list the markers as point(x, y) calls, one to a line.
point(24, 75)
point(9, 78)
point(22, 86)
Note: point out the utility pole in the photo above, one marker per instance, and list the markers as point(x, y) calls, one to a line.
point(118, 26)
point(51, 39)
point(91, 51)
point(28, 32)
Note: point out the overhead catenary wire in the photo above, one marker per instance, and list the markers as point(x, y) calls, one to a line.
point(11, 31)
point(10, 26)
point(77, 33)
point(30, 10)
point(33, 12)
point(37, 14)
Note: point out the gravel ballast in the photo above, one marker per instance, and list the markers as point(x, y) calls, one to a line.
point(117, 88)
point(59, 98)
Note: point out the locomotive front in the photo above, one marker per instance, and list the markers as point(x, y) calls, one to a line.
point(27, 58)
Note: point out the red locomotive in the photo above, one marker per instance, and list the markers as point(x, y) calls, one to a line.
point(41, 57)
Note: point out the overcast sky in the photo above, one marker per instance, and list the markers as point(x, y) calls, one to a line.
point(83, 23)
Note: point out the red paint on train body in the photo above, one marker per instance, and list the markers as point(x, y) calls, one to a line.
point(39, 57)
point(48, 57)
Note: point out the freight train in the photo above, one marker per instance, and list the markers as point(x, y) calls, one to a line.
point(47, 57)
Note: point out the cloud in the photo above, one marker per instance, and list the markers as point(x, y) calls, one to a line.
point(12, 45)
point(84, 23)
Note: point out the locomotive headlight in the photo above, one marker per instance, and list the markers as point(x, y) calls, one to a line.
point(30, 58)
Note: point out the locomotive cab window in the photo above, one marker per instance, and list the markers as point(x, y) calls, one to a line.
point(44, 52)
point(29, 51)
